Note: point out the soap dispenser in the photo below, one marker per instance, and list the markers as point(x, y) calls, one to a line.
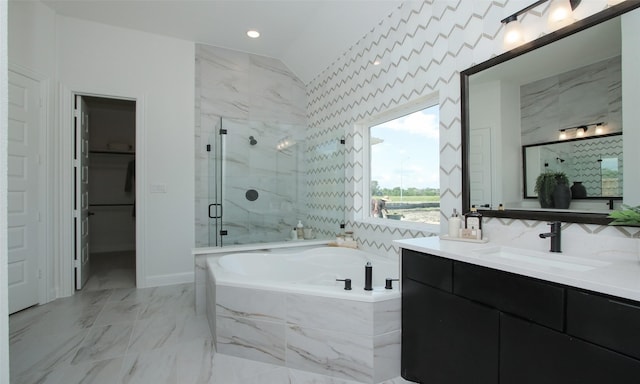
point(473, 219)
point(454, 224)
point(300, 229)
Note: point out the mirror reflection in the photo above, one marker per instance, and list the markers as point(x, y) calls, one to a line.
point(592, 165)
point(556, 108)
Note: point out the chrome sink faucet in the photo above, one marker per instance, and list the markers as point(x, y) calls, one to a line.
point(554, 236)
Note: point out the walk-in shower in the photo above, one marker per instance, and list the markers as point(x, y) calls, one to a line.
point(253, 183)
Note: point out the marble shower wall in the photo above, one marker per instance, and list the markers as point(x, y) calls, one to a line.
point(586, 95)
point(255, 96)
point(422, 47)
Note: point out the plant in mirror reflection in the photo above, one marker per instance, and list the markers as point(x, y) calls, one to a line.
point(545, 185)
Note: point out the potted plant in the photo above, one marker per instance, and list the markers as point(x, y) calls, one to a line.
point(546, 184)
point(629, 216)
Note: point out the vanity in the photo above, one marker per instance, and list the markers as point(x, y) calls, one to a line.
point(485, 313)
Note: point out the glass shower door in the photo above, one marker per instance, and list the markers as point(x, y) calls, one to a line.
point(214, 177)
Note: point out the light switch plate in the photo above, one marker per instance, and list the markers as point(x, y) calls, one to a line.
point(158, 188)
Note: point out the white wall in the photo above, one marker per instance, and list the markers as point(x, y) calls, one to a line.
point(78, 56)
point(4, 301)
point(422, 48)
point(159, 72)
point(630, 97)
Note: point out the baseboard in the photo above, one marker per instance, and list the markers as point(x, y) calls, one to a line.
point(172, 279)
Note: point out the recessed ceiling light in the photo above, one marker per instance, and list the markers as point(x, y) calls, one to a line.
point(253, 34)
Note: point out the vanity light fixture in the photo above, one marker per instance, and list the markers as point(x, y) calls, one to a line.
point(513, 34)
point(599, 128)
point(560, 12)
point(559, 15)
point(581, 130)
point(252, 33)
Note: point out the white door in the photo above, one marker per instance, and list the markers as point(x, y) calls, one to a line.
point(81, 202)
point(24, 120)
point(480, 167)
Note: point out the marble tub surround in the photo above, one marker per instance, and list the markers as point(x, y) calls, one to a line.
point(201, 254)
point(351, 340)
point(614, 264)
point(347, 337)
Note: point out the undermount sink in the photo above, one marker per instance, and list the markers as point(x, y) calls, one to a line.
point(543, 259)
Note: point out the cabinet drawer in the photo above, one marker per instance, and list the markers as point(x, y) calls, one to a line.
point(529, 298)
point(612, 323)
point(532, 354)
point(427, 269)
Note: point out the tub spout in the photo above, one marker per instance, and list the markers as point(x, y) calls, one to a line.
point(368, 276)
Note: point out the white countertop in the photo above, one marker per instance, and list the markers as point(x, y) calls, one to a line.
point(620, 277)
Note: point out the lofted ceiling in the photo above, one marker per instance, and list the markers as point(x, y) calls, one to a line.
point(307, 35)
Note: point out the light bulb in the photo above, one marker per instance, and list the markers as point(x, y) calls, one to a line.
point(599, 129)
point(559, 14)
point(563, 135)
point(513, 35)
point(253, 34)
point(580, 132)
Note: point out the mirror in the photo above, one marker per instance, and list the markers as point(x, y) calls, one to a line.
point(556, 91)
point(593, 165)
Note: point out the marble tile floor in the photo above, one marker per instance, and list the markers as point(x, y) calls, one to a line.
point(129, 335)
point(109, 270)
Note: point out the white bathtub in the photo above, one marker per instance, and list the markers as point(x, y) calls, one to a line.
point(313, 271)
point(286, 308)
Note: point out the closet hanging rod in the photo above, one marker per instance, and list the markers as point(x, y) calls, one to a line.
point(113, 152)
point(112, 205)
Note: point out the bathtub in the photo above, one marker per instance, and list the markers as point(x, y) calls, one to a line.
point(313, 272)
point(286, 308)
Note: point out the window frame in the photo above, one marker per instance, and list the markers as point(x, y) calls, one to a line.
point(363, 127)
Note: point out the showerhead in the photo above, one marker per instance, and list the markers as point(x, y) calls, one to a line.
point(252, 140)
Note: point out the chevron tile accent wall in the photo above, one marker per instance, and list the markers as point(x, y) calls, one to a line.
point(422, 46)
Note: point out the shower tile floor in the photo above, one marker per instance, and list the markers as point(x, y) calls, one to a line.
point(129, 335)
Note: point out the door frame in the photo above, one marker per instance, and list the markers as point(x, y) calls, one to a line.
point(46, 291)
point(64, 258)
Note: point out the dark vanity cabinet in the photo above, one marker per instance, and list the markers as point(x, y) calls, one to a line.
point(463, 323)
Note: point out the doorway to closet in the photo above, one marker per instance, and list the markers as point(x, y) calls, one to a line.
point(105, 193)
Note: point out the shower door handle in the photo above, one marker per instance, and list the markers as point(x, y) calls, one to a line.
point(215, 215)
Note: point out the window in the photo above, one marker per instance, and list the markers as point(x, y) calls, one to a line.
point(404, 167)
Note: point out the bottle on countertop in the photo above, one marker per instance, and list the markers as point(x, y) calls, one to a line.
point(454, 224)
point(473, 219)
point(300, 229)
point(294, 234)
